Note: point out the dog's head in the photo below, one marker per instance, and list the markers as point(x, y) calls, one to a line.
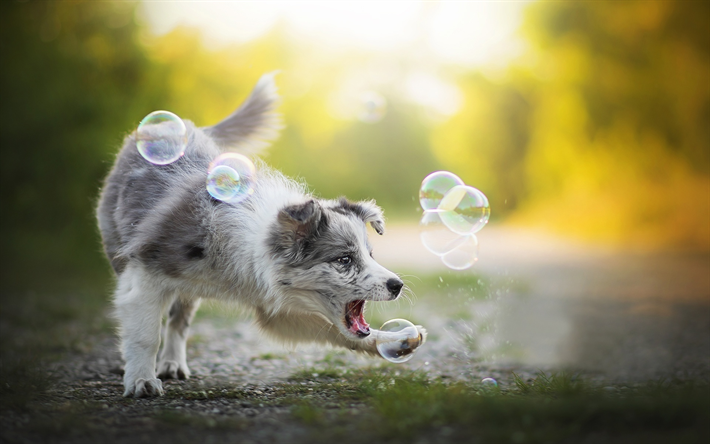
point(325, 262)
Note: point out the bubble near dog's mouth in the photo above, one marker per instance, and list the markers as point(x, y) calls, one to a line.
point(355, 318)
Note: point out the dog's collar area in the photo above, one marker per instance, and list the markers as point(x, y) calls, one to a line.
point(355, 318)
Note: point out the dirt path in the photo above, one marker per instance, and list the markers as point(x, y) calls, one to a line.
point(627, 315)
point(617, 317)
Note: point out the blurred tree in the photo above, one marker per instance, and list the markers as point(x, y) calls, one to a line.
point(73, 76)
point(620, 145)
point(486, 142)
point(603, 130)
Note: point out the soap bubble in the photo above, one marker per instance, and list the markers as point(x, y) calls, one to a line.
point(374, 107)
point(437, 237)
point(231, 178)
point(464, 209)
point(398, 340)
point(489, 383)
point(161, 137)
point(457, 251)
point(435, 186)
point(464, 255)
point(223, 182)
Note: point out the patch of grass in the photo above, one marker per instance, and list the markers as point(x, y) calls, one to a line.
point(266, 357)
point(472, 284)
point(308, 412)
point(334, 358)
point(311, 374)
point(401, 406)
point(555, 384)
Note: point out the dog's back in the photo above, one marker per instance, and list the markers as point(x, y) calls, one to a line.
point(155, 213)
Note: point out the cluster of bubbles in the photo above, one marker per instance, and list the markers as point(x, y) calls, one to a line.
point(453, 213)
point(161, 138)
point(398, 340)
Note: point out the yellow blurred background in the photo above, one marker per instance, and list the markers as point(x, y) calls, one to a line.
point(587, 119)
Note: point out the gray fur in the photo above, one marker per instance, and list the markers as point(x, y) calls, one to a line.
point(280, 252)
point(254, 124)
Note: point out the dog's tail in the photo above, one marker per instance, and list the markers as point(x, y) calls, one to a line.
point(253, 125)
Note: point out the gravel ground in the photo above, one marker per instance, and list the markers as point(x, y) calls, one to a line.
point(617, 318)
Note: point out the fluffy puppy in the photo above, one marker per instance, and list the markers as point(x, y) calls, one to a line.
point(304, 265)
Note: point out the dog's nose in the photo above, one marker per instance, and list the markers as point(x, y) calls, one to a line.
point(394, 285)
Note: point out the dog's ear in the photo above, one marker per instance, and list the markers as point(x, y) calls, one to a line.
point(299, 223)
point(366, 210)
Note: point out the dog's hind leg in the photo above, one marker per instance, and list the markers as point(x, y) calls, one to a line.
point(139, 309)
point(173, 359)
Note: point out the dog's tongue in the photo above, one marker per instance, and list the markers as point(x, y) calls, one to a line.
point(358, 324)
point(360, 327)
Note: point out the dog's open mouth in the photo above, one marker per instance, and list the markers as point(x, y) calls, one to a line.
point(355, 318)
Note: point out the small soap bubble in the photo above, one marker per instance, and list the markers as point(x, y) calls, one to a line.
point(464, 255)
point(489, 383)
point(435, 186)
point(223, 183)
point(231, 178)
point(398, 340)
point(161, 137)
point(374, 107)
point(464, 209)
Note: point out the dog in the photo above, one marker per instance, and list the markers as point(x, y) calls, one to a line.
point(302, 264)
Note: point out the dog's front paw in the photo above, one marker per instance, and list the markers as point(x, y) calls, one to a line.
point(422, 334)
point(173, 370)
point(144, 388)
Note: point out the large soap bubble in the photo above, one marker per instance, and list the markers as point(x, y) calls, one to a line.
point(397, 340)
point(231, 178)
point(464, 209)
point(161, 137)
point(435, 186)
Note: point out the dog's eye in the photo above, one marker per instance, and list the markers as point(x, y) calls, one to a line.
point(345, 260)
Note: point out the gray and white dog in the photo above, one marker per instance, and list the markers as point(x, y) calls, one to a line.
point(304, 265)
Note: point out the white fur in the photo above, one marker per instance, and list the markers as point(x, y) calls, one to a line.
point(291, 303)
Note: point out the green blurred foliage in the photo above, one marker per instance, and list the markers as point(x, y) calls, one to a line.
point(601, 129)
point(620, 143)
point(73, 79)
